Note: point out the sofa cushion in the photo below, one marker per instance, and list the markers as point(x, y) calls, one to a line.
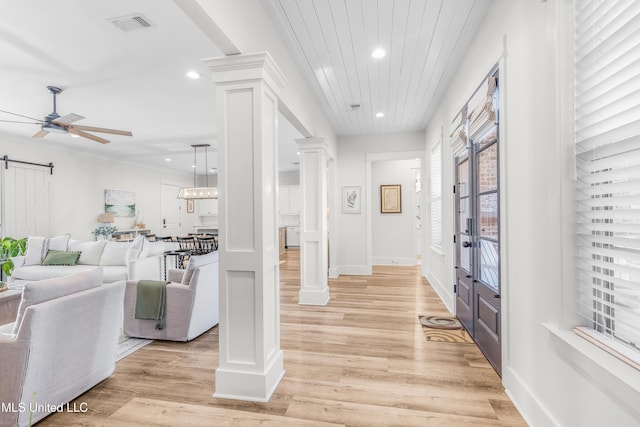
point(115, 253)
point(37, 247)
point(197, 261)
point(91, 251)
point(61, 257)
point(42, 272)
point(45, 290)
point(135, 249)
point(114, 273)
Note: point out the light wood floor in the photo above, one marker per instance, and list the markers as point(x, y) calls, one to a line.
point(362, 360)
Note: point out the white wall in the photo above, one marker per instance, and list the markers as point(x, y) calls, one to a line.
point(550, 376)
point(79, 182)
point(354, 154)
point(394, 236)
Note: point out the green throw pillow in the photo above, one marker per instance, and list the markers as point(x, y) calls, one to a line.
point(61, 257)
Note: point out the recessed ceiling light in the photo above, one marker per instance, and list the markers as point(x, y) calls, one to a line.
point(380, 114)
point(193, 75)
point(167, 159)
point(378, 53)
point(193, 166)
point(298, 153)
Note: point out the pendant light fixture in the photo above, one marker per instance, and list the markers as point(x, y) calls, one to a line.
point(199, 192)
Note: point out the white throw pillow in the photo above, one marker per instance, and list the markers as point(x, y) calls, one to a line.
point(37, 247)
point(45, 290)
point(91, 252)
point(197, 261)
point(135, 249)
point(115, 253)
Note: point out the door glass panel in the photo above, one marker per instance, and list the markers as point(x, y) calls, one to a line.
point(463, 179)
point(464, 213)
point(488, 215)
point(465, 253)
point(488, 169)
point(489, 272)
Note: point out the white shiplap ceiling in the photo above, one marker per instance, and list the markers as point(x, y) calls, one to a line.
point(332, 41)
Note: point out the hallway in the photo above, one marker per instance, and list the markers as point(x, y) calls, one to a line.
point(360, 360)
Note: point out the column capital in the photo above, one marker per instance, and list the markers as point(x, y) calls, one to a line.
point(313, 144)
point(246, 67)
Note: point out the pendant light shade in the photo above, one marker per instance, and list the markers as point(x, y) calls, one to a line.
point(199, 192)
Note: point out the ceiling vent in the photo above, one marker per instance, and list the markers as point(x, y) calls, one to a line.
point(354, 107)
point(132, 22)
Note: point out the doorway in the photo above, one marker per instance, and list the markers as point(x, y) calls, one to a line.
point(171, 210)
point(477, 237)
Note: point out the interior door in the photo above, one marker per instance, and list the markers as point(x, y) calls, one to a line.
point(171, 210)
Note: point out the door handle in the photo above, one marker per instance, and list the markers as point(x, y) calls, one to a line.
point(468, 276)
point(466, 244)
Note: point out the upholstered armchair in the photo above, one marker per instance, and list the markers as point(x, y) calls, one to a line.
point(63, 342)
point(191, 306)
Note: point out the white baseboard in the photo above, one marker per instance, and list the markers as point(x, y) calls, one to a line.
point(355, 270)
point(313, 296)
point(394, 261)
point(529, 406)
point(334, 273)
point(445, 293)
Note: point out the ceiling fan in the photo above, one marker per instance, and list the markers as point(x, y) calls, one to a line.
point(63, 124)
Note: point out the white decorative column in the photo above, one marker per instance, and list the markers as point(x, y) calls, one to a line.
point(247, 115)
point(314, 244)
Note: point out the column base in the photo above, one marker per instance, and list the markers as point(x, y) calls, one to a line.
point(314, 297)
point(249, 386)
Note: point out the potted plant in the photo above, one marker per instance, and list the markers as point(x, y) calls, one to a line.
point(104, 232)
point(9, 248)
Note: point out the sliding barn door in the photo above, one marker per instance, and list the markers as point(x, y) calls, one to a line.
point(25, 200)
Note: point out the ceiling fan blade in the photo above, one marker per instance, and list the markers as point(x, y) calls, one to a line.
point(20, 115)
point(103, 130)
point(67, 118)
point(40, 134)
point(18, 121)
point(87, 135)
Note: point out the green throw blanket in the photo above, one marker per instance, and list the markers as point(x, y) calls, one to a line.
point(151, 298)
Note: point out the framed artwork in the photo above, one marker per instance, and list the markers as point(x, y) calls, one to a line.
point(390, 199)
point(120, 203)
point(190, 203)
point(351, 198)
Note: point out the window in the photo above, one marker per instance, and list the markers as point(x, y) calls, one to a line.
point(607, 131)
point(436, 197)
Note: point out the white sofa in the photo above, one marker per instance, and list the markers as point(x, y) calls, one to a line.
point(139, 259)
point(64, 342)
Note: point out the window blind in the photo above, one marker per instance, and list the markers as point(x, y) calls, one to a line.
point(436, 197)
point(607, 132)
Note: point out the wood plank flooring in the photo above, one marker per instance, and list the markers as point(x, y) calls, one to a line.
point(362, 360)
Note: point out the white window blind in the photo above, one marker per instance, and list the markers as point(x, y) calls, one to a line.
point(436, 197)
point(607, 126)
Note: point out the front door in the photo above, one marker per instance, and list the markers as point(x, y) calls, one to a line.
point(464, 241)
point(477, 238)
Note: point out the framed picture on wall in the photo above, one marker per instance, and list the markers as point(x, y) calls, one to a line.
point(190, 203)
point(390, 199)
point(351, 199)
